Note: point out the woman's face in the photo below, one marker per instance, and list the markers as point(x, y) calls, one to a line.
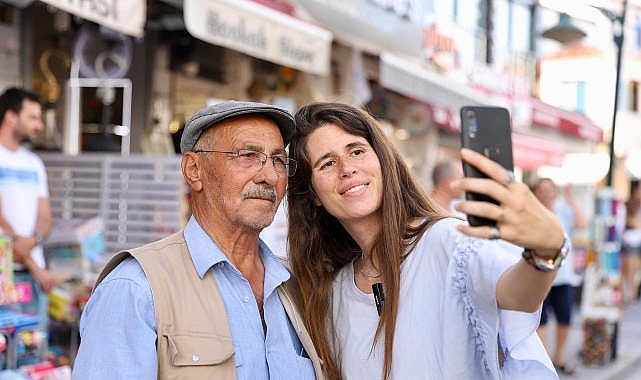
point(346, 174)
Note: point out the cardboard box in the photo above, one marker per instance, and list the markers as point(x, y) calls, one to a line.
point(84, 236)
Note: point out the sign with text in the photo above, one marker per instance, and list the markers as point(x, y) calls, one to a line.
point(261, 32)
point(125, 16)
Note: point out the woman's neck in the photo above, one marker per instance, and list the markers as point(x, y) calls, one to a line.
point(364, 231)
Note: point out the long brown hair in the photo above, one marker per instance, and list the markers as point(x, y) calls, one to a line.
point(318, 244)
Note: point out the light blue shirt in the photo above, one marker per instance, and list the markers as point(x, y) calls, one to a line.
point(118, 327)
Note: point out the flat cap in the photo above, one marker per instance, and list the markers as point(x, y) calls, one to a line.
point(218, 112)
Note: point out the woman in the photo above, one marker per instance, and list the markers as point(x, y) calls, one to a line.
point(631, 245)
point(455, 306)
point(560, 300)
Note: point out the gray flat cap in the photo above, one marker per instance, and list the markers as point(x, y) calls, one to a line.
point(218, 112)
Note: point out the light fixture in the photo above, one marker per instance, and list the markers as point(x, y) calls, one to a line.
point(564, 32)
point(633, 163)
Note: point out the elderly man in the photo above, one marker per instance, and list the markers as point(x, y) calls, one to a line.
point(211, 301)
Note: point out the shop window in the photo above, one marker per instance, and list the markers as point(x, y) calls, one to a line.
point(634, 96)
point(196, 58)
point(8, 15)
point(573, 96)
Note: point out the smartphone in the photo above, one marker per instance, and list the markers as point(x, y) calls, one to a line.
point(486, 130)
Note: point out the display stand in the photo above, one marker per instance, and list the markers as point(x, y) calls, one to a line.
point(601, 304)
point(23, 342)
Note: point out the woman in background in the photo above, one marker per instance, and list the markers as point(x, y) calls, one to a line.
point(631, 245)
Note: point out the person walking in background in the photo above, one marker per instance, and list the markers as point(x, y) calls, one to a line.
point(393, 288)
point(25, 210)
point(444, 173)
point(631, 245)
point(210, 301)
point(560, 300)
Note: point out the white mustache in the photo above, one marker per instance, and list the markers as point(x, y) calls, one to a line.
point(260, 192)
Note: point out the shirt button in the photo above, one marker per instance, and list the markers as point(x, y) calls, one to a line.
point(220, 265)
point(195, 358)
point(246, 299)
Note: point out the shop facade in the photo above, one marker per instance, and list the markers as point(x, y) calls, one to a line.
point(418, 71)
point(114, 93)
point(175, 56)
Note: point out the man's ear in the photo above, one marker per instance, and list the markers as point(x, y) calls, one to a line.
point(191, 171)
point(9, 117)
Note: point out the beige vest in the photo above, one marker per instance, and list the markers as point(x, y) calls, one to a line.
point(194, 339)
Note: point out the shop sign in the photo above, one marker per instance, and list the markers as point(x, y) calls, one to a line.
point(444, 95)
point(125, 16)
point(261, 32)
point(390, 25)
point(440, 48)
point(505, 89)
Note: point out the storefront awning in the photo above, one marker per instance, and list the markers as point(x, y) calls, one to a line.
point(530, 153)
point(415, 81)
point(570, 123)
point(125, 16)
point(261, 32)
point(372, 25)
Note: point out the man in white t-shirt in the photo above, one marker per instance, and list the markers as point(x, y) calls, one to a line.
point(25, 211)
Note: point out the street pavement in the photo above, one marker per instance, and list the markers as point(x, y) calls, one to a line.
point(627, 364)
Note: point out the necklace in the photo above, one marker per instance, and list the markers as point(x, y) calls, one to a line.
point(369, 275)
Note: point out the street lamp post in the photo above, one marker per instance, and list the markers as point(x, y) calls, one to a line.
point(618, 24)
point(565, 32)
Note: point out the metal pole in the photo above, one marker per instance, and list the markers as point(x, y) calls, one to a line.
point(619, 24)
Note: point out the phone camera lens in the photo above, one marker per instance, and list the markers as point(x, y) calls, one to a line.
point(471, 130)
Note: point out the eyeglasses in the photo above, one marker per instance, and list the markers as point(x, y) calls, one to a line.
point(252, 159)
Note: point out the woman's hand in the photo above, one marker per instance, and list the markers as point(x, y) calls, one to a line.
point(520, 218)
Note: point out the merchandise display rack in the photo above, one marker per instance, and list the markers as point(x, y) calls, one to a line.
point(601, 304)
point(21, 340)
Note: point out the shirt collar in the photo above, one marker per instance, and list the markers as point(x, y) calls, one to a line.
point(205, 253)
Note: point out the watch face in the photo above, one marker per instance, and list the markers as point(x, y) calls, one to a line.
point(548, 265)
point(563, 252)
point(566, 247)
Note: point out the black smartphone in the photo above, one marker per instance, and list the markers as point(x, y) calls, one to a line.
point(487, 130)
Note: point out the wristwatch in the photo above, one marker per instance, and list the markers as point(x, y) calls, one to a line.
point(38, 238)
point(548, 265)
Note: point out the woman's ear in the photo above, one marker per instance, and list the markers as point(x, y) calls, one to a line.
point(191, 171)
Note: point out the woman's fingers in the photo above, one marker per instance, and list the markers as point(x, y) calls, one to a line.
point(491, 168)
point(520, 217)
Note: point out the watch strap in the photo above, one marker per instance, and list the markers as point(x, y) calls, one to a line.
point(548, 264)
point(38, 238)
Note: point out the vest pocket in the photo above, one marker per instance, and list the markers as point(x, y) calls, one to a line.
point(195, 349)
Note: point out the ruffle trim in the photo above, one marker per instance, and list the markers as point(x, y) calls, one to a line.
point(465, 248)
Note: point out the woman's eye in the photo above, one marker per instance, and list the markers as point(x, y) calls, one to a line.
point(328, 164)
point(357, 152)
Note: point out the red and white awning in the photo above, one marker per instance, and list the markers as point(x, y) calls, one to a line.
point(570, 123)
